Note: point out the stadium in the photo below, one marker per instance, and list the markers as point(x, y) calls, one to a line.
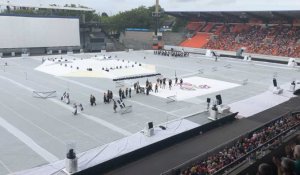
point(217, 95)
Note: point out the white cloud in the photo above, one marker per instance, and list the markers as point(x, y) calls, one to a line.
point(232, 5)
point(114, 6)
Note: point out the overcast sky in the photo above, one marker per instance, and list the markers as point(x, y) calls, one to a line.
point(114, 6)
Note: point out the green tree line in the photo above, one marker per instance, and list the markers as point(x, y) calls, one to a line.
point(140, 17)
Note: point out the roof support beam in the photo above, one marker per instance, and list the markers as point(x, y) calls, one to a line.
point(212, 15)
point(228, 16)
point(283, 16)
point(265, 19)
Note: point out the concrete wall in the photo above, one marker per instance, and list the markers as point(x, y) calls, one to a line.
point(137, 40)
point(173, 38)
point(223, 53)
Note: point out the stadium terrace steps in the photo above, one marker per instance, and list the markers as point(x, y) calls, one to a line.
point(193, 26)
point(219, 29)
point(173, 38)
point(240, 27)
point(207, 27)
point(197, 41)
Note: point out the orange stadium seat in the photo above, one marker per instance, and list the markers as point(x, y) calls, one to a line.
point(199, 40)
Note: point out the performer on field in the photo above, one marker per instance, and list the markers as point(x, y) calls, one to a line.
point(170, 84)
point(129, 91)
point(81, 107)
point(115, 106)
point(75, 109)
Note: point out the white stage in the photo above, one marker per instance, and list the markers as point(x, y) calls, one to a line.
point(193, 87)
point(261, 102)
point(102, 67)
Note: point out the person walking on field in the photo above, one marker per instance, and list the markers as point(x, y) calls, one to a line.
point(75, 109)
point(115, 106)
point(126, 92)
point(170, 84)
point(156, 88)
point(129, 91)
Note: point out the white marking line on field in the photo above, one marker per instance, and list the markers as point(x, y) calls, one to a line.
point(172, 68)
point(5, 166)
point(81, 84)
point(142, 104)
point(17, 83)
point(28, 141)
point(66, 123)
point(51, 116)
point(95, 119)
point(25, 119)
point(180, 109)
point(107, 124)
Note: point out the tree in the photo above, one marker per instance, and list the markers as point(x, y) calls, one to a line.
point(140, 17)
point(179, 25)
point(104, 14)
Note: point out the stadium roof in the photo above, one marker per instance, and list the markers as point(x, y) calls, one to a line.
point(238, 15)
point(232, 5)
point(14, 4)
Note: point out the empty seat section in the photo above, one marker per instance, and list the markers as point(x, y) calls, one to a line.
point(197, 41)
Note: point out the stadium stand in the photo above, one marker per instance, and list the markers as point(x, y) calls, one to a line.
point(276, 158)
point(278, 40)
point(264, 33)
point(246, 147)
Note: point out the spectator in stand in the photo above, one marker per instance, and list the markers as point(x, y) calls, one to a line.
point(287, 167)
point(264, 169)
point(297, 158)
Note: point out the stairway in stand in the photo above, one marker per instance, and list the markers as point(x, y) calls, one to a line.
point(197, 41)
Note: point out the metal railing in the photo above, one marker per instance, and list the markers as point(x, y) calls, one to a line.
point(230, 143)
point(227, 168)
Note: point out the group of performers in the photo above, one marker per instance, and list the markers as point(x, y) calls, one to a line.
point(65, 97)
point(143, 90)
point(160, 83)
point(124, 93)
point(171, 53)
point(107, 97)
point(75, 107)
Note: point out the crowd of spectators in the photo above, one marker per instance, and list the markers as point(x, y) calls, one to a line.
point(242, 146)
point(287, 165)
point(278, 40)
